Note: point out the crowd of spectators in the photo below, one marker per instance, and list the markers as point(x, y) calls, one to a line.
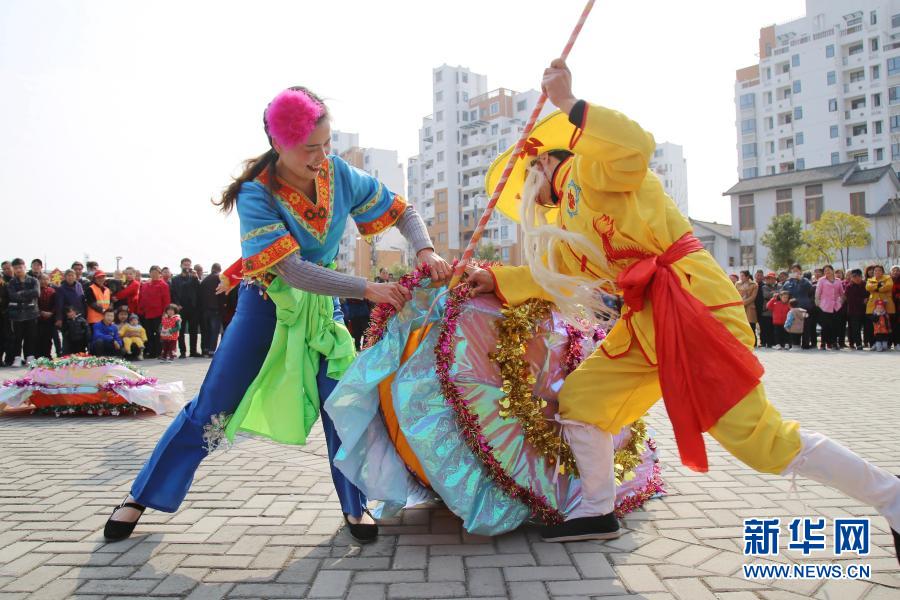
point(120, 314)
point(825, 308)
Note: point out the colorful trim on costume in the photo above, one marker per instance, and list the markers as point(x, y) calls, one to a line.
point(314, 217)
point(516, 326)
point(470, 428)
point(270, 256)
point(387, 218)
point(654, 487)
point(368, 204)
point(263, 230)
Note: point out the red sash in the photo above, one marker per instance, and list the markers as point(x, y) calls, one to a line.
point(703, 369)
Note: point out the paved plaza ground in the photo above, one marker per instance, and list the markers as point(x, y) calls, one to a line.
point(263, 521)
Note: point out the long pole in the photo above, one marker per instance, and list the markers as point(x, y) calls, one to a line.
point(489, 209)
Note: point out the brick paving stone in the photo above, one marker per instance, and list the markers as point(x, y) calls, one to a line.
point(330, 584)
point(35, 579)
point(446, 568)
point(180, 581)
point(448, 589)
point(486, 582)
point(367, 591)
point(210, 591)
point(640, 578)
point(501, 560)
point(539, 573)
point(390, 577)
point(268, 590)
point(593, 566)
point(689, 589)
point(409, 557)
point(527, 590)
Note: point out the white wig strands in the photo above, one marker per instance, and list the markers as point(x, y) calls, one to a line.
point(578, 299)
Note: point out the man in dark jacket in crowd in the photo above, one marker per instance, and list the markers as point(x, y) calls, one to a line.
point(212, 309)
point(801, 288)
point(37, 269)
point(5, 332)
point(855, 296)
point(79, 274)
point(22, 293)
point(186, 294)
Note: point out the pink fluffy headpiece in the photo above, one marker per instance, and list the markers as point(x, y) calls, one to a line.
point(291, 117)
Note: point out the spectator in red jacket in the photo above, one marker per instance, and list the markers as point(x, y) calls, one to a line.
point(130, 293)
point(780, 306)
point(154, 297)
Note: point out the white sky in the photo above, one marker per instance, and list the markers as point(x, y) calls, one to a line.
point(119, 119)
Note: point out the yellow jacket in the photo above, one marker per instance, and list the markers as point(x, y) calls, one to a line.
point(880, 288)
point(132, 331)
point(608, 195)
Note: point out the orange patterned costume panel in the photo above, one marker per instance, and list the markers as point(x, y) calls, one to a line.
point(386, 220)
point(314, 217)
point(269, 257)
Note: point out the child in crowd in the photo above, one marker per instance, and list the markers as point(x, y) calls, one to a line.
point(881, 323)
point(796, 319)
point(133, 337)
point(105, 340)
point(76, 333)
point(779, 306)
point(168, 333)
point(121, 317)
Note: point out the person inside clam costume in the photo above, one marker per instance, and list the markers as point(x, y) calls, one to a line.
point(596, 218)
point(286, 345)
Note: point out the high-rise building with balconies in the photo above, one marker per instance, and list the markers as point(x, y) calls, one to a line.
point(826, 90)
point(469, 126)
point(670, 166)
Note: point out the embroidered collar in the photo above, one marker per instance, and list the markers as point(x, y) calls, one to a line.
point(314, 217)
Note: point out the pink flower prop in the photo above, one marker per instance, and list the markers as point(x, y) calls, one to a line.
point(291, 117)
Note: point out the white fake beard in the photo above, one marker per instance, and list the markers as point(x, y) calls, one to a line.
point(577, 298)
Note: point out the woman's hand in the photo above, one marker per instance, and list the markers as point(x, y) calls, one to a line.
point(391, 293)
point(441, 272)
point(480, 281)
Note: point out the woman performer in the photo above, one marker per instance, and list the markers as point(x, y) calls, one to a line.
point(292, 202)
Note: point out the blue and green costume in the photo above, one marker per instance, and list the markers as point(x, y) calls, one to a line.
point(251, 383)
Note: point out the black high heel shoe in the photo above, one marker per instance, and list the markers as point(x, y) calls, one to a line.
point(364, 533)
point(115, 531)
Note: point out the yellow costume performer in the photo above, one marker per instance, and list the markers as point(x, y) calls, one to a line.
point(603, 191)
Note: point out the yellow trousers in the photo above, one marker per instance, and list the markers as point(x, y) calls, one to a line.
point(613, 392)
point(129, 342)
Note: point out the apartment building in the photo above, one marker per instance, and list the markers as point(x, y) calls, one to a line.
point(356, 254)
point(670, 166)
point(826, 90)
point(468, 127)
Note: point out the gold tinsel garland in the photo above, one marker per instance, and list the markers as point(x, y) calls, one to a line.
point(514, 330)
point(628, 458)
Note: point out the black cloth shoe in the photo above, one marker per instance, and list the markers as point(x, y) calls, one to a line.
point(120, 530)
point(604, 527)
point(896, 541)
point(364, 533)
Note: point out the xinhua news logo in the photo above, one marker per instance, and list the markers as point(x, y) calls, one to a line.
point(850, 537)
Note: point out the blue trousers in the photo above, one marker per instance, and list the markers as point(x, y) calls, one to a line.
point(166, 478)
